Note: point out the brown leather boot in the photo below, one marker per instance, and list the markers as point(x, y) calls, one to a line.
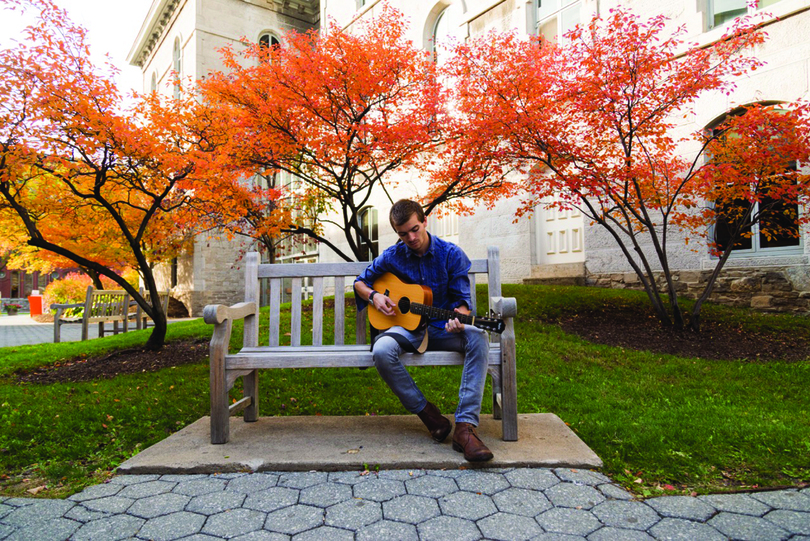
point(438, 425)
point(466, 440)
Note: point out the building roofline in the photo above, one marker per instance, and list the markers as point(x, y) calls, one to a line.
point(157, 18)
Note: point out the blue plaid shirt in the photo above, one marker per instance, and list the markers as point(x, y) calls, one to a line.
point(443, 268)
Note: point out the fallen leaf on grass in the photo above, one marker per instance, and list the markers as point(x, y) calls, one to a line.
point(37, 490)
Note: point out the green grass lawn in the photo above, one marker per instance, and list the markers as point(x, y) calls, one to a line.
point(656, 421)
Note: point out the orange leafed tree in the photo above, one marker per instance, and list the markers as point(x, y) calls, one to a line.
point(590, 123)
point(81, 176)
point(340, 111)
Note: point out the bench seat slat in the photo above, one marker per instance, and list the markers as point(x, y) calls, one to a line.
point(331, 357)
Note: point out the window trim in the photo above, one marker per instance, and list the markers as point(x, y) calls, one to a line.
point(710, 25)
point(756, 250)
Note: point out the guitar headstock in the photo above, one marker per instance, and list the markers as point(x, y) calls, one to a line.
point(490, 324)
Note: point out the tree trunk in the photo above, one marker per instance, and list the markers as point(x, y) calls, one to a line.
point(95, 277)
point(158, 336)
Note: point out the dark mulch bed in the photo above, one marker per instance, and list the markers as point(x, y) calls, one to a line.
point(641, 331)
point(623, 327)
point(127, 361)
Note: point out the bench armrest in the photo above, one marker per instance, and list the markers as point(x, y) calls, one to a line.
point(505, 306)
point(66, 306)
point(214, 314)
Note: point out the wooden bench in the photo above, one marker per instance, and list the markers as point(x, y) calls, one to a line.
point(141, 319)
point(226, 368)
point(100, 306)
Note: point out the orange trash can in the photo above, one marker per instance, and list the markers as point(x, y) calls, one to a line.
point(35, 304)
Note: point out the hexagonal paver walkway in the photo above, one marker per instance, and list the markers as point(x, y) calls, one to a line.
point(419, 504)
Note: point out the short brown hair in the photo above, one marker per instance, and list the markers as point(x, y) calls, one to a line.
point(402, 211)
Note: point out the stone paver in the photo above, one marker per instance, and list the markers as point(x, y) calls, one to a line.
point(576, 496)
point(172, 526)
point(521, 501)
point(234, 522)
point(628, 515)
point(742, 504)
point(569, 521)
point(747, 528)
point(386, 529)
point(468, 505)
point(411, 509)
point(676, 529)
point(354, 514)
point(682, 507)
point(559, 504)
point(272, 499)
point(295, 519)
point(784, 499)
point(509, 527)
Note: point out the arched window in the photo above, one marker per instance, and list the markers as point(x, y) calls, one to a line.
point(768, 225)
point(177, 66)
point(269, 41)
point(443, 30)
point(369, 226)
point(153, 83)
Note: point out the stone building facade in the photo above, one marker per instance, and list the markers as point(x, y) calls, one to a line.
point(180, 39)
point(560, 247)
point(549, 245)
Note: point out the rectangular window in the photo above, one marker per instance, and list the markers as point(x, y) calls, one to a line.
point(556, 17)
point(723, 11)
point(775, 230)
point(369, 226)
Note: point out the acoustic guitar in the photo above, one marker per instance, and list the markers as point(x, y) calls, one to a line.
point(414, 307)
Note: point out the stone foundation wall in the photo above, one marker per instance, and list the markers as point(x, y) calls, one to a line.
point(776, 289)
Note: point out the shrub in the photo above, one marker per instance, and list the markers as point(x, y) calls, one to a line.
point(73, 289)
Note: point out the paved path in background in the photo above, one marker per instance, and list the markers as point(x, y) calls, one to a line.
point(458, 505)
point(21, 330)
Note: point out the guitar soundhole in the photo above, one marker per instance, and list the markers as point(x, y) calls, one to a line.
point(404, 305)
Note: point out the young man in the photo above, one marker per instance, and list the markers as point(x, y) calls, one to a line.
point(421, 258)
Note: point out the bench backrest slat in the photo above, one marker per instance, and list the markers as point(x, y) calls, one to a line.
point(295, 319)
point(317, 311)
point(360, 327)
point(472, 293)
point(340, 309)
point(252, 291)
point(275, 310)
point(494, 282)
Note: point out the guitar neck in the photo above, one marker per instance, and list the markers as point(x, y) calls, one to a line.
point(432, 312)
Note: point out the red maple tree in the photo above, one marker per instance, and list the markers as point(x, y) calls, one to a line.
point(590, 124)
point(83, 177)
point(340, 112)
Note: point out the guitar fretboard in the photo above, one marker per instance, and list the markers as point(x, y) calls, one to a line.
point(440, 313)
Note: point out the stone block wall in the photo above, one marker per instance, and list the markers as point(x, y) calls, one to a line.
point(775, 289)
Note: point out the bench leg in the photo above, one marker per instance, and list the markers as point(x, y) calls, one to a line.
point(509, 382)
point(495, 378)
point(250, 387)
point(115, 327)
point(101, 330)
point(220, 411)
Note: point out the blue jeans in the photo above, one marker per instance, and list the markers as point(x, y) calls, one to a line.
point(473, 342)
